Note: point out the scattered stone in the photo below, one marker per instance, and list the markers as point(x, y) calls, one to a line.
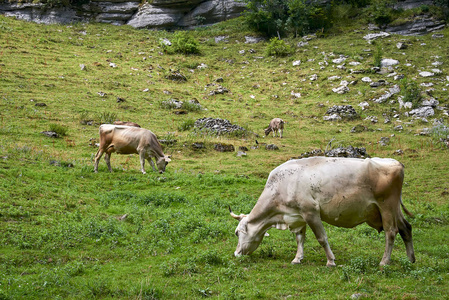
point(398, 77)
point(358, 128)
point(367, 79)
point(372, 119)
point(83, 67)
point(384, 141)
point(342, 111)
point(373, 36)
point(296, 63)
point(202, 66)
point(347, 152)
point(388, 62)
point(333, 78)
point(120, 100)
point(198, 146)
point(165, 42)
point(398, 152)
point(426, 74)
point(243, 148)
point(217, 126)
point(51, 134)
point(221, 38)
point(387, 95)
point(401, 46)
point(431, 102)
point(398, 128)
point(302, 44)
point(437, 36)
point(437, 71)
point(224, 147)
point(313, 77)
point(253, 40)
point(339, 61)
point(422, 112)
point(341, 89)
point(271, 147)
point(40, 104)
point(364, 105)
point(176, 76)
point(241, 153)
point(112, 65)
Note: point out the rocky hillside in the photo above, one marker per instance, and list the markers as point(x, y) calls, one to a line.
point(158, 14)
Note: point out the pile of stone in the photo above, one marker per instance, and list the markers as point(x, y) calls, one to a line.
point(349, 151)
point(339, 112)
point(217, 126)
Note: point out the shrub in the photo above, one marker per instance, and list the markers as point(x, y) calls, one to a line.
point(184, 43)
point(278, 48)
point(378, 56)
point(59, 129)
point(411, 91)
point(107, 117)
point(186, 125)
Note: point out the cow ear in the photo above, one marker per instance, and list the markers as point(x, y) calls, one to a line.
point(167, 158)
point(242, 225)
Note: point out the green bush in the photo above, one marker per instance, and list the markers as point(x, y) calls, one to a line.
point(378, 56)
point(411, 91)
point(278, 48)
point(184, 43)
point(186, 125)
point(59, 129)
point(107, 117)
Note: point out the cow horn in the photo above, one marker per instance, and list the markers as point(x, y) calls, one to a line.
point(237, 217)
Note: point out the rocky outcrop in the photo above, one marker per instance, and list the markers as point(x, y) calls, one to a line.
point(158, 14)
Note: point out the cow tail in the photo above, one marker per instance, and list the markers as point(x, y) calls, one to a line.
point(405, 209)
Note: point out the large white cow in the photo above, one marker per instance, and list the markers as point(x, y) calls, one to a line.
point(343, 192)
point(128, 140)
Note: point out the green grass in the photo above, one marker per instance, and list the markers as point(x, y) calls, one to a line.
point(62, 230)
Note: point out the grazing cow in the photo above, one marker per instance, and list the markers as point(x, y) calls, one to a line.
point(129, 140)
point(276, 125)
point(126, 123)
point(343, 192)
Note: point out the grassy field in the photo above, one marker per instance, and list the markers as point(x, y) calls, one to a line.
point(63, 229)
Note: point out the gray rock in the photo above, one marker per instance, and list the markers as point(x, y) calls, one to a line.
point(271, 147)
point(426, 74)
point(388, 62)
point(341, 89)
point(422, 112)
point(373, 36)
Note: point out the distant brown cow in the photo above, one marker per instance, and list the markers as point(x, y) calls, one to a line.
point(126, 123)
point(129, 140)
point(276, 125)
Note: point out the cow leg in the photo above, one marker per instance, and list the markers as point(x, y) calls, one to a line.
point(391, 230)
point(151, 163)
point(405, 230)
point(300, 237)
point(142, 161)
point(107, 158)
point(314, 221)
point(97, 159)
point(280, 132)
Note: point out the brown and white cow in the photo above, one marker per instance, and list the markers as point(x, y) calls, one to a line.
point(276, 126)
point(125, 123)
point(129, 140)
point(343, 192)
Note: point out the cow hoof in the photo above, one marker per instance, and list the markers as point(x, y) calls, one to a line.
point(295, 262)
point(330, 264)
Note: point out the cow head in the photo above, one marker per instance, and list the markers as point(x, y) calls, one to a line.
point(162, 163)
point(249, 240)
